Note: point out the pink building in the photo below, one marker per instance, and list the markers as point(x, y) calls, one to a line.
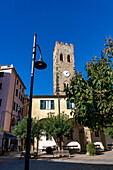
point(11, 98)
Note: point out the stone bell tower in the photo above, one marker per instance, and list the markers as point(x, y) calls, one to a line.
point(63, 66)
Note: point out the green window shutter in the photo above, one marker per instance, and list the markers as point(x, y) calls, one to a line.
point(41, 104)
point(52, 104)
point(68, 104)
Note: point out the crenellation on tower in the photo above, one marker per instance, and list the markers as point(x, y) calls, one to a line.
point(57, 42)
point(62, 43)
point(66, 43)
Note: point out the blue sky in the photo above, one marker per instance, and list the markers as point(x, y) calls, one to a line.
point(84, 23)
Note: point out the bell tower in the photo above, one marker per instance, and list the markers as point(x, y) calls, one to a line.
point(63, 66)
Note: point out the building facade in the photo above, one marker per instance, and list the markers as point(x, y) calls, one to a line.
point(81, 136)
point(11, 98)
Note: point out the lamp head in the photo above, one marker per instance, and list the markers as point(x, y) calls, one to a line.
point(40, 64)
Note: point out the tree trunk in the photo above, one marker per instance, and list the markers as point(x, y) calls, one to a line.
point(103, 140)
point(33, 144)
point(22, 144)
point(60, 142)
point(37, 147)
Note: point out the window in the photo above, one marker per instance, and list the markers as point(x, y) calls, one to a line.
point(0, 86)
point(46, 104)
point(17, 82)
point(21, 98)
point(61, 57)
point(14, 106)
point(0, 102)
point(17, 92)
point(68, 58)
point(56, 68)
point(66, 85)
point(97, 133)
point(20, 86)
point(1, 74)
point(70, 105)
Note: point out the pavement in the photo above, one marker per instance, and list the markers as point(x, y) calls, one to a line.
point(101, 161)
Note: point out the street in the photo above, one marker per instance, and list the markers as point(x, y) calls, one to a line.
point(79, 162)
point(58, 165)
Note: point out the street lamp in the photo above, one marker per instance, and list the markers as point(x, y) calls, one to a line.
point(39, 65)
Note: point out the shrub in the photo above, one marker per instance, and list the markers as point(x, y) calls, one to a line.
point(91, 148)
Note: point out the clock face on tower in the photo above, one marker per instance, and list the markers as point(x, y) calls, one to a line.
point(66, 73)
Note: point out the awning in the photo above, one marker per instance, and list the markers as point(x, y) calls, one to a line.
point(9, 135)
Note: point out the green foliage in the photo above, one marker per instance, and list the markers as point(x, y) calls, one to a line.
point(20, 129)
point(36, 129)
point(93, 95)
point(58, 127)
point(1, 131)
point(109, 132)
point(91, 148)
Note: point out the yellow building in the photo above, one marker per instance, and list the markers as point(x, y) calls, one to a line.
point(44, 104)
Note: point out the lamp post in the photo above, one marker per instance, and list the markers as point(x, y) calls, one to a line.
point(39, 65)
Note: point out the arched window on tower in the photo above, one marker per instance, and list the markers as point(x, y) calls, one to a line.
point(66, 85)
point(68, 58)
point(61, 57)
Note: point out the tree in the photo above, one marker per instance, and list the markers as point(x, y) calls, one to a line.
point(58, 127)
point(36, 131)
point(109, 132)
point(1, 131)
point(20, 129)
point(93, 95)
